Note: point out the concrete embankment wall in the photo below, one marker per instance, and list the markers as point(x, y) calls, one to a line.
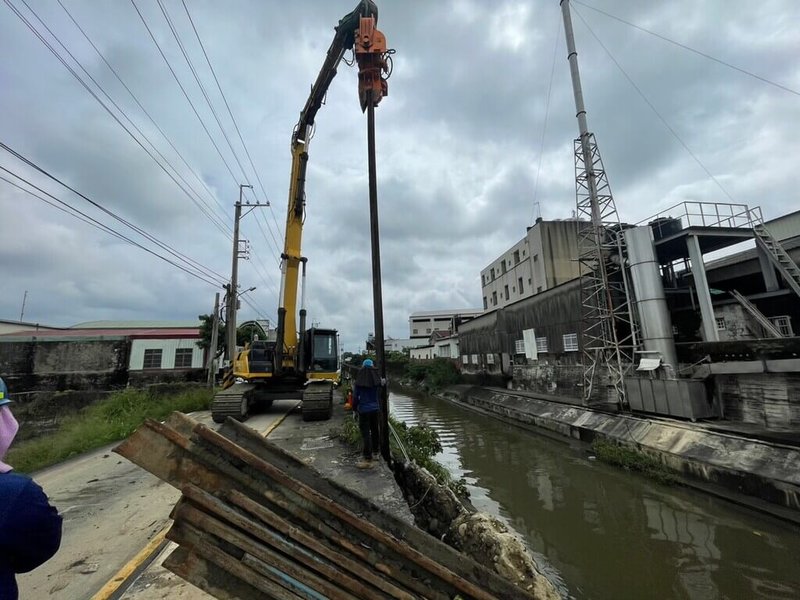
point(64, 365)
point(752, 472)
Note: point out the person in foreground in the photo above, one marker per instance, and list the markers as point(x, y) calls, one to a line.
point(30, 528)
point(366, 402)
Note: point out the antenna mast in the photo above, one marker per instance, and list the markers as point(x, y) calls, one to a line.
point(608, 330)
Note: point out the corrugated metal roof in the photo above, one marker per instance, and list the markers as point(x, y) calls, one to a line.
point(441, 313)
point(174, 332)
point(112, 324)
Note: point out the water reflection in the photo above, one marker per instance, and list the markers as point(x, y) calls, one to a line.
point(607, 533)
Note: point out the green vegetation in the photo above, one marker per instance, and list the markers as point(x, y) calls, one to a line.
point(111, 419)
point(633, 460)
point(435, 374)
point(421, 443)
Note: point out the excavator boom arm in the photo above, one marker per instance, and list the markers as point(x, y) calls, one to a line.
point(347, 36)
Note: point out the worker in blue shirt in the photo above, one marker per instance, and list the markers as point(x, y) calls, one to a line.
point(366, 402)
point(30, 528)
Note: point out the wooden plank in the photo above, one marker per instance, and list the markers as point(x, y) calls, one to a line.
point(168, 458)
point(203, 545)
point(445, 575)
point(354, 567)
point(296, 563)
point(208, 577)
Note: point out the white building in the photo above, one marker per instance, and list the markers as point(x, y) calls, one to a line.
point(546, 257)
point(423, 323)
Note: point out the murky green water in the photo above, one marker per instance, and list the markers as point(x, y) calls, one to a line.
point(607, 533)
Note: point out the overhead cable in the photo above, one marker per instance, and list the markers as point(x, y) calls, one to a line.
point(78, 214)
point(655, 111)
point(146, 113)
point(185, 93)
point(136, 228)
point(225, 100)
point(83, 83)
point(690, 49)
point(546, 115)
point(230, 114)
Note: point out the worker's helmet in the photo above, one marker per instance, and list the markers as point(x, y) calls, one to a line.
point(4, 399)
point(368, 363)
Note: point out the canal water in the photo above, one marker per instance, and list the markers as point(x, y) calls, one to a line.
point(604, 532)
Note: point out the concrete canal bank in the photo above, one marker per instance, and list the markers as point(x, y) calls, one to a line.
point(757, 473)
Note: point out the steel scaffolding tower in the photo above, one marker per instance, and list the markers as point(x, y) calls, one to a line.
point(608, 335)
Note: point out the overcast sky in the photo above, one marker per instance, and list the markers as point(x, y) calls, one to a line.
point(459, 140)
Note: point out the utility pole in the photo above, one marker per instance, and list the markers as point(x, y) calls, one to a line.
point(212, 349)
point(22, 312)
point(232, 296)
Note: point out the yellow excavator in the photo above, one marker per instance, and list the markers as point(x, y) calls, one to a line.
point(304, 365)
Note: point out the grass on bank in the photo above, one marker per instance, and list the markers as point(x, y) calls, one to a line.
point(110, 420)
point(633, 460)
point(421, 443)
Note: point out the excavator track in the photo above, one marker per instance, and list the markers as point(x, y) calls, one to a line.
point(232, 402)
point(318, 401)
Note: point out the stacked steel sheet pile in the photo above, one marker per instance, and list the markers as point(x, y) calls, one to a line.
point(256, 522)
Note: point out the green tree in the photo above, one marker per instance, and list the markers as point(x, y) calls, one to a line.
point(243, 334)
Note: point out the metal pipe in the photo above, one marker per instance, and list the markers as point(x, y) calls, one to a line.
point(651, 302)
point(377, 294)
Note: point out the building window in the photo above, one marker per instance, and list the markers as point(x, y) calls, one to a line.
point(570, 342)
point(490, 359)
point(529, 280)
point(183, 358)
point(494, 298)
point(416, 331)
point(538, 289)
point(516, 257)
point(535, 258)
point(519, 347)
point(152, 358)
point(464, 359)
point(523, 253)
point(519, 283)
point(784, 325)
point(474, 359)
point(506, 291)
point(503, 266)
point(491, 272)
point(485, 304)
point(720, 323)
point(428, 330)
point(541, 344)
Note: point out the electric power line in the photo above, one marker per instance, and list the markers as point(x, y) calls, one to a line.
point(137, 229)
point(82, 216)
point(185, 93)
point(546, 115)
point(225, 99)
point(653, 108)
point(144, 110)
point(83, 83)
point(230, 113)
point(690, 49)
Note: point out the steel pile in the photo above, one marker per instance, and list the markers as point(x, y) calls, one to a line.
point(254, 521)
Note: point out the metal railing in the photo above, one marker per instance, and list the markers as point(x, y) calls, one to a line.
point(708, 214)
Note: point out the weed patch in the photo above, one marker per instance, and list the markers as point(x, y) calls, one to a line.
point(633, 460)
point(110, 420)
point(420, 442)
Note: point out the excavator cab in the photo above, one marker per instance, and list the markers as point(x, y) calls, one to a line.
point(322, 354)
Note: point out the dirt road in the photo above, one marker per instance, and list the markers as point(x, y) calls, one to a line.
point(111, 510)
